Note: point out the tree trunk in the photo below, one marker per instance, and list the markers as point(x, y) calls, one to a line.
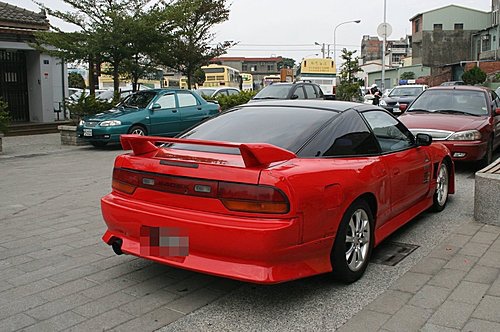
point(91, 76)
point(116, 78)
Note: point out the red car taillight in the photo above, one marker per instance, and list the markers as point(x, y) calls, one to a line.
point(252, 198)
point(234, 196)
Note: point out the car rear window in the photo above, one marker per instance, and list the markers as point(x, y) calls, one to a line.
point(406, 91)
point(287, 127)
point(278, 91)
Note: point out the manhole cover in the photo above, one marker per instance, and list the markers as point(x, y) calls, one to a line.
point(391, 253)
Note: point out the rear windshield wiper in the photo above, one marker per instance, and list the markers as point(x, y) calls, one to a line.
point(455, 112)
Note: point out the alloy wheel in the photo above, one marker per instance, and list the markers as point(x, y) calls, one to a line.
point(357, 240)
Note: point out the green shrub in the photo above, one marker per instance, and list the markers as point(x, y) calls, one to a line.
point(226, 102)
point(4, 117)
point(87, 105)
point(474, 76)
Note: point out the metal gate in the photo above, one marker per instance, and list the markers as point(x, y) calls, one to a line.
point(13, 84)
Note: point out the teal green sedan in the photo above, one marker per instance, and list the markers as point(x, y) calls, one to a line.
point(156, 112)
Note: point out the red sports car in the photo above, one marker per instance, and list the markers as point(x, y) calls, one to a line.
point(274, 191)
point(464, 118)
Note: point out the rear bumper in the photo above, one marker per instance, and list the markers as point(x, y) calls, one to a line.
point(256, 250)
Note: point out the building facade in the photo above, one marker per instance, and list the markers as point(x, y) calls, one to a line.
point(32, 83)
point(486, 43)
point(443, 35)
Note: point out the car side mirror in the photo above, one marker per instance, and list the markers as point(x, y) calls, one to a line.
point(294, 97)
point(403, 107)
point(497, 111)
point(156, 106)
point(423, 139)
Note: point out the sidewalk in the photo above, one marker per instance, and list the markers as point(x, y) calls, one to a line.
point(29, 145)
point(455, 288)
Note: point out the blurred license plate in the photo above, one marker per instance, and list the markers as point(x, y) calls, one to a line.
point(164, 242)
point(87, 132)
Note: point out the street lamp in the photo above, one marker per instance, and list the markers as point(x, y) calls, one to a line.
point(335, 40)
point(322, 47)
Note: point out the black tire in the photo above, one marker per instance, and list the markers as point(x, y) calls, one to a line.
point(488, 157)
point(442, 188)
point(354, 240)
point(138, 130)
point(98, 144)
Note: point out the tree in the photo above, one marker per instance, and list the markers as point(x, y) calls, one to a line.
point(187, 30)
point(408, 75)
point(286, 63)
point(76, 80)
point(348, 89)
point(110, 31)
point(474, 76)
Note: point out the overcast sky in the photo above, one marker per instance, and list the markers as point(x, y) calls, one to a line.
point(290, 28)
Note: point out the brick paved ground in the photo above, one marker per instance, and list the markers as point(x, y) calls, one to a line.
point(56, 273)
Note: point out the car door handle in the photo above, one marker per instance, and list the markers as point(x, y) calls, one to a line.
point(199, 108)
point(174, 111)
point(396, 171)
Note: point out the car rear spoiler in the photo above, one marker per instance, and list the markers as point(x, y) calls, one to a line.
point(253, 154)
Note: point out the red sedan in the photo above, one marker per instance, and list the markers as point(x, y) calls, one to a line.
point(464, 118)
point(274, 191)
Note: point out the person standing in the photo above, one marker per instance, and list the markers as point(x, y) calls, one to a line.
point(376, 94)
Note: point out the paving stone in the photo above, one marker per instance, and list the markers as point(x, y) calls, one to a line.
point(444, 251)
point(447, 278)
point(481, 325)
point(484, 237)
point(495, 288)
point(193, 301)
point(488, 309)
point(365, 320)
point(150, 321)
point(474, 249)
point(108, 287)
point(437, 328)
point(100, 306)
point(191, 284)
point(457, 240)
point(389, 302)
point(461, 262)
point(452, 314)
point(429, 265)
point(496, 245)
point(430, 297)
point(103, 322)
point(58, 306)
point(411, 282)
point(482, 274)
point(16, 322)
point(149, 286)
point(409, 318)
point(56, 323)
point(20, 305)
point(148, 303)
point(490, 258)
point(25, 290)
point(468, 229)
point(469, 292)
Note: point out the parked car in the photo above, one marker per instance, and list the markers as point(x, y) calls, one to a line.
point(453, 83)
point(151, 112)
point(216, 92)
point(274, 191)
point(401, 94)
point(296, 90)
point(464, 118)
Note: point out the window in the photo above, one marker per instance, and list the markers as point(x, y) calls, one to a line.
point(390, 133)
point(232, 92)
point(244, 67)
point(299, 92)
point(417, 25)
point(311, 94)
point(438, 27)
point(270, 67)
point(166, 101)
point(459, 26)
point(346, 135)
point(186, 99)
